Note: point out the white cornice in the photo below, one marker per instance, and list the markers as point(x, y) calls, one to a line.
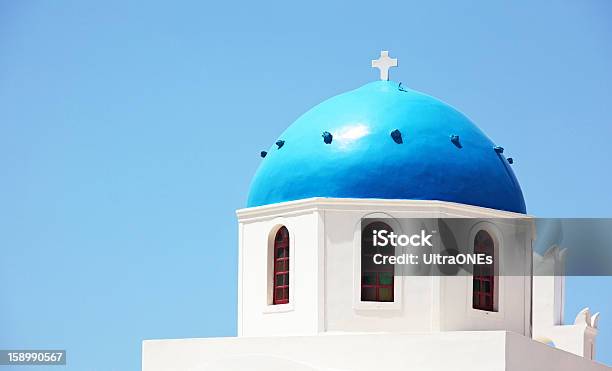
point(451, 209)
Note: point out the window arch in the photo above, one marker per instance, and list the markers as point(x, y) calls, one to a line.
point(377, 280)
point(484, 291)
point(280, 278)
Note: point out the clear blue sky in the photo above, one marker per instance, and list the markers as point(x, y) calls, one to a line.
point(129, 133)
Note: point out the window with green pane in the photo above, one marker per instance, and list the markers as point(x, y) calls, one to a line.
point(377, 280)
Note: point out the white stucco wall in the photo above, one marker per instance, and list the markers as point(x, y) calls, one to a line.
point(422, 303)
point(473, 351)
point(325, 276)
point(513, 248)
point(257, 316)
point(326, 326)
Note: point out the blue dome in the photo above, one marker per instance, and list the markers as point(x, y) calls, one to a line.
point(364, 160)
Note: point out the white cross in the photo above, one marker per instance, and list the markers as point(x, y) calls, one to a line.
point(383, 64)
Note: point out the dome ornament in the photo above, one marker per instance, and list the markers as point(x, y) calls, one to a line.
point(396, 135)
point(383, 64)
point(455, 140)
point(327, 137)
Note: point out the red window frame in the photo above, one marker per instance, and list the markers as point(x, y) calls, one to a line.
point(280, 286)
point(483, 297)
point(377, 281)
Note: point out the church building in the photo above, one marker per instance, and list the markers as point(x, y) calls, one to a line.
point(308, 297)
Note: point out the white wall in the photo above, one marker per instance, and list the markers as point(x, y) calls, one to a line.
point(325, 289)
point(257, 315)
point(344, 311)
point(423, 303)
point(513, 249)
point(474, 351)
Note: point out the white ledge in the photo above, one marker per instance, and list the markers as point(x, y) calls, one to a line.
point(453, 209)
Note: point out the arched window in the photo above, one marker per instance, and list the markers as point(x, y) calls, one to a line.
point(376, 279)
point(280, 287)
point(484, 296)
